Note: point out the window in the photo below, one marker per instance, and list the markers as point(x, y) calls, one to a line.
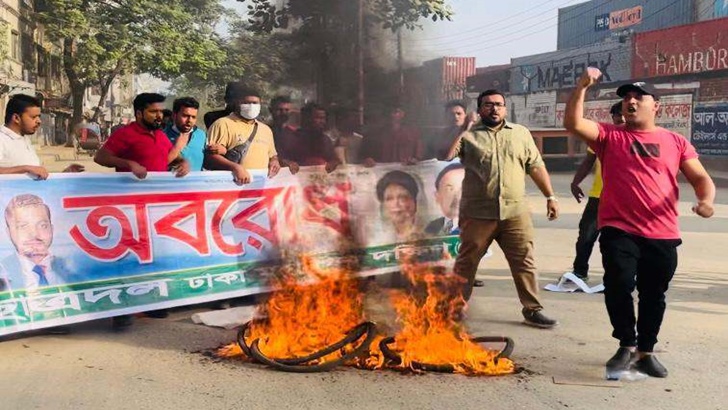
point(42, 54)
point(27, 52)
point(15, 45)
point(555, 145)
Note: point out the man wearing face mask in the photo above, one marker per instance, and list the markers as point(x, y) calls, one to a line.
point(188, 140)
point(240, 142)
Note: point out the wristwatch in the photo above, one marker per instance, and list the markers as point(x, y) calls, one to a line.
point(552, 198)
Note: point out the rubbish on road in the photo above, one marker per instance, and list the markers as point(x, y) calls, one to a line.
point(595, 382)
point(570, 283)
point(631, 375)
point(226, 318)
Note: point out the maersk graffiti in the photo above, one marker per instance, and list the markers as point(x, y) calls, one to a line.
point(563, 69)
point(563, 75)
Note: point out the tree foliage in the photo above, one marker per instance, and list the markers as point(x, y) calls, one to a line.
point(103, 39)
point(266, 15)
point(266, 61)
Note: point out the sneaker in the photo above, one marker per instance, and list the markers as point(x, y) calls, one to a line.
point(651, 366)
point(121, 323)
point(619, 363)
point(537, 319)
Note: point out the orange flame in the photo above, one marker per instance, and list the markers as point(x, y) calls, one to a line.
point(431, 332)
point(307, 316)
point(303, 317)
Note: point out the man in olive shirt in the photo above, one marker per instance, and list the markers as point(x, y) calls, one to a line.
point(497, 156)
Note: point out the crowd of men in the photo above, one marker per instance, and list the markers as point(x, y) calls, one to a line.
point(634, 209)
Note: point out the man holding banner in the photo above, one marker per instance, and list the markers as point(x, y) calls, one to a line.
point(239, 141)
point(138, 148)
point(141, 146)
point(17, 155)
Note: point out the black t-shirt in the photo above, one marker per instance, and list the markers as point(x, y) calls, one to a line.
point(213, 116)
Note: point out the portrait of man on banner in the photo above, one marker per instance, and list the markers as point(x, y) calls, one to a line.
point(448, 192)
point(32, 265)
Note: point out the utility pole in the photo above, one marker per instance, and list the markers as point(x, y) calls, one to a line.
point(400, 63)
point(360, 61)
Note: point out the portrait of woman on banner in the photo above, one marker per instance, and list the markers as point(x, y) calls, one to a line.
point(397, 192)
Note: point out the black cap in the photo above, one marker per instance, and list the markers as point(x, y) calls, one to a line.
point(640, 87)
point(238, 89)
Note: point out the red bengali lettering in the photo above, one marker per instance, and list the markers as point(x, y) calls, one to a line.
point(166, 226)
point(192, 204)
point(139, 245)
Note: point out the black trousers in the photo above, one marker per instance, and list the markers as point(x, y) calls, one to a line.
point(649, 264)
point(588, 234)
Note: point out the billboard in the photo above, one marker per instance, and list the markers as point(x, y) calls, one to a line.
point(675, 112)
point(710, 129)
point(562, 69)
point(694, 48)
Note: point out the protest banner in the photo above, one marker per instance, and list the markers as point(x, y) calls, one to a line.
point(86, 246)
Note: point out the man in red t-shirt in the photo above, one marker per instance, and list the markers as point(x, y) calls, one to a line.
point(638, 214)
point(310, 144)
point(394, 142)
point(141, 147)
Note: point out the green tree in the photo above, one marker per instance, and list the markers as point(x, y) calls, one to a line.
point(264, 61)
point(103, 39)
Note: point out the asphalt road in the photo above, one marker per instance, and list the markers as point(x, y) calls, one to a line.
point(158, 364)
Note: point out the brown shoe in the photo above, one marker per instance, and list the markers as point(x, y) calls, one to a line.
point(537, 319)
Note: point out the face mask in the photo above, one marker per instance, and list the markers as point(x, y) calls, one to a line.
point(249, 111)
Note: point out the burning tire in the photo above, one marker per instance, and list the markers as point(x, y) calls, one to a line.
point(303, 364)
point(395, 359)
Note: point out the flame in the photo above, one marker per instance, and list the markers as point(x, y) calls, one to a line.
point(431, 331)
point(306, 314)
point(314, 308)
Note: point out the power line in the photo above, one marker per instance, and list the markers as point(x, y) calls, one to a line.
point(473, 51)
point(516, 29)
point(490, 26)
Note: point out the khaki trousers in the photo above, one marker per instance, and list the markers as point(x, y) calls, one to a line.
point(515, 237)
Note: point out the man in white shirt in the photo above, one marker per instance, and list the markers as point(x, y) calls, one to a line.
point(17, 155)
